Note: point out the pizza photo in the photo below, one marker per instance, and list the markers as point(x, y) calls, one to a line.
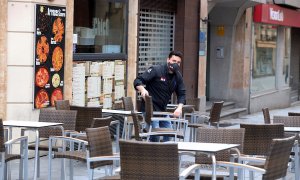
point(55, 80)
point(58, 29)
point(57, 58)
point(41, 77)
point(41, 99)
point(56, 95)
point(42, 49)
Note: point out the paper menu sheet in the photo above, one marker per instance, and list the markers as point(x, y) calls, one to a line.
point(93, 87)
point(119, 70)
point(107, 102)
point(78, 85)
point(119, 90)
point(108, 69)
point(107, 86)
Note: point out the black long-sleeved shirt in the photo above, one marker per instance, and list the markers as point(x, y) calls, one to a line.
point(161, 84)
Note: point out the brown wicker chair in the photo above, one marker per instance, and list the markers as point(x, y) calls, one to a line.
point(218, 135)
point(85, 116)
point(128, 123)
point(293, 113)
point(62, 104)
point(288, 121)
point(276, 163)
point(99, 154)
point(148, 161)
point(258, 137)
point(266, 113)
point(211, 119)
point(6, 156)
point(179, 125)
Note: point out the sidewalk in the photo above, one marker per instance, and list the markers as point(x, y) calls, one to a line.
point(80, 169)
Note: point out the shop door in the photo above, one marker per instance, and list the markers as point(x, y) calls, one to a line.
point(156, 37)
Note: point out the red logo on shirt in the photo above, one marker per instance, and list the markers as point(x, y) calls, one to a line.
point(162, 78)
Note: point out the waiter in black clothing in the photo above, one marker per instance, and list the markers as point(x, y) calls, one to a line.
point(160, 82)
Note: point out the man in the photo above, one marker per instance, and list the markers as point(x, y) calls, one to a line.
point(160, 82)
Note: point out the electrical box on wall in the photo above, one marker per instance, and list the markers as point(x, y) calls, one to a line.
point(220, 52)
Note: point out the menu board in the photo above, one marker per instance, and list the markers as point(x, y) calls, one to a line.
point(49, 55)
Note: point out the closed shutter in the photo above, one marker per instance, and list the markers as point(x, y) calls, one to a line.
point(156, 37)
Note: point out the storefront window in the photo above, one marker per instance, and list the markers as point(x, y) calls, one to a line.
point(264, 65)
point(287, 56)
point(100, 26)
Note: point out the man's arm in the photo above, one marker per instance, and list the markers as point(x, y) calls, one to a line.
point(142, 90)
point(141, 80)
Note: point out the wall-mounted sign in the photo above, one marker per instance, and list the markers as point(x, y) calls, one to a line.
point(49, 55)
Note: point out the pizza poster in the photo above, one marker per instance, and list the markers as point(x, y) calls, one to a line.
point(49, 55)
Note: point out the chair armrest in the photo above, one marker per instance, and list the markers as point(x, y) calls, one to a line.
point(251, 159)
point(241, 166)
point(70, 139)
point(103, 158)
point(114, 122)
point(77, 134)
point(20, 139)
point(189, 170)
point(169, 119)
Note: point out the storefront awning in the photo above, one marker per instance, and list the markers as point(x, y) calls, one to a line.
point(273, 14)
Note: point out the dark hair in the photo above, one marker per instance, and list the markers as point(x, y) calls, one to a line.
point(176, 53)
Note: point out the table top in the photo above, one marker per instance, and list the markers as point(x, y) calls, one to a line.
point(292, 129)
point(204, 147)
point(122, 112)
point(162, 113)
point(29, 124)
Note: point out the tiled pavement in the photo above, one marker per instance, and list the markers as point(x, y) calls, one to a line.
point(80, 170)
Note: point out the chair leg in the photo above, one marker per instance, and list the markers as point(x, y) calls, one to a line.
point(49, 161)
point(2, 166)
point(71, 169)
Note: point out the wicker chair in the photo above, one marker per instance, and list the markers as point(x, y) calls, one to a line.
point(293, 113)
point(67, 117)
point(128, 123)
point(148, 161)
point(6, 156)
point(62, 104)
point(99, 153)
point(218, 135)
point(179, 125)
point(276, 162)
point(212, 118)
point(85, 116)
point(266, 113)
point(288, 121)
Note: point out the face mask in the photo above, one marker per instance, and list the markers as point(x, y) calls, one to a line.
point(173, 67)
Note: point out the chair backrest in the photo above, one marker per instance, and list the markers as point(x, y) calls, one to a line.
point(148, 109)
point(278, 157)
point(62, 104)
point(85, 116)
point(266, 114)
point(2, 147)
point(289, 121)
point(127, 103)
point(99, 144)
point(148, 161)
point(101, 122)
point(219, 135)
point(293, 113)
point(215, 112)
point(67, 117)
point(258, 137)
point(137, 127)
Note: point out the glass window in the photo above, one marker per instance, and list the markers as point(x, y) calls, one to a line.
point(264, 65)
point(287, 56)
point(100, 26)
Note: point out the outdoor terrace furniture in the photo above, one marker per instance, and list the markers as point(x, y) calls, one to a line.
point(179, 126)
point(99, 153)
point(149, 160)
point(211, 119)
point(293, 113)
point(288, 121)
point(218, 135)
point(266, 113)
point(6, 156)
point(275, 165)
point(62, 104)
point(85, 116)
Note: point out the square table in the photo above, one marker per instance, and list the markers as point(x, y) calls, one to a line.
point(34, 126)
point(207, 148)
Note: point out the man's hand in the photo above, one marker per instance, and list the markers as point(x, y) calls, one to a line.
point(143, 91)
point(178, 111)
